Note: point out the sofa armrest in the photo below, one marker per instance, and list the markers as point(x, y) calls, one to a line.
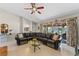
point(16, 37)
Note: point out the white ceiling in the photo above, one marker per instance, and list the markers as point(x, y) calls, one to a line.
point(51, 10)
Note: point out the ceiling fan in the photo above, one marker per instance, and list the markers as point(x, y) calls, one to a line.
point(34, 8)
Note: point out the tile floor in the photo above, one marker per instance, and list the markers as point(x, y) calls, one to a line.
point(27, 50)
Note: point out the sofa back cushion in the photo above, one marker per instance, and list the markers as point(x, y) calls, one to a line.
point(48, 36)
point(37, 34)
point(26, 35)
point(32, 34)
point(43, 35)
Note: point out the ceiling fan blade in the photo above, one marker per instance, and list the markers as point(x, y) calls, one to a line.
point(40, 7)
point(27, 8)
point(32, 12)
point(33, 5)
point(39, 12)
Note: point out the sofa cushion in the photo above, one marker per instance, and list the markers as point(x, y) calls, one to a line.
point(20, 35)
point(50, 41)
point(23, 39)
point(26, 35)
point(37, 35)
point(43, 35)
point(32, 34)
point(48, 36)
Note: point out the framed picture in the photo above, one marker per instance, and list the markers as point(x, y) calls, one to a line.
point(26, 29)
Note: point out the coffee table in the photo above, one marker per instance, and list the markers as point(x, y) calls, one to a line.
point(35, 43)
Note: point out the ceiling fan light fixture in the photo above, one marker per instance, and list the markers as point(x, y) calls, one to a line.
point(34, 9)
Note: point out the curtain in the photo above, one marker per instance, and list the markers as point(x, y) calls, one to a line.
point(72, 31)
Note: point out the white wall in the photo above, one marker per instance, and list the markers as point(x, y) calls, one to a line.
point(14, 21)
point(27, 23)
point(34, 27)
point(11, 20)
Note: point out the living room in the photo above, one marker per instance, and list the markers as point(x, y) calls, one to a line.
point(27, 32)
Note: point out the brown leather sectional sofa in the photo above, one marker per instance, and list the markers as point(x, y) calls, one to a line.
point(45, 38)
